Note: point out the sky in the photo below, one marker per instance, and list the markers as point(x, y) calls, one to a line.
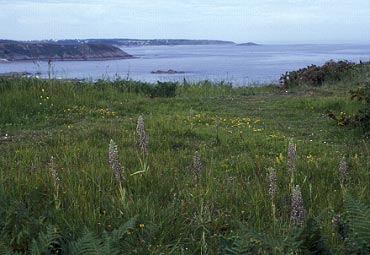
point(260, 21)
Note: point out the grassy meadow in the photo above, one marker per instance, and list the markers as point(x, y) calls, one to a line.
point(59, 194)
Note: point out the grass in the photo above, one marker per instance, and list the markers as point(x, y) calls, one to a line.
point(74, 122)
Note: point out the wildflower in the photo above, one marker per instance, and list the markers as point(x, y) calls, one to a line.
point(273, 190)
point(280, 158)
point(54, 174)
point(291, 157)
point(118, 170)
point(355, 157)
point(230, 180)
point(343, 170)
point(142, 136)
point(298, 213)
point(196, 167)
point(273, 183)
point(141, 225)
point(217, 122)
point(310, 158)
point(191, 113)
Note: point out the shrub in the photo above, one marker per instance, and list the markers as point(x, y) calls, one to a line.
point(314, 75)
point(362, 94)
point(159, 89)
point(362, 117)
point(164, 89)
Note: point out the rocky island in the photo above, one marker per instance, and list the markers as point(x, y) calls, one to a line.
point(247, 44)
point(169, 71)
point(16, 51)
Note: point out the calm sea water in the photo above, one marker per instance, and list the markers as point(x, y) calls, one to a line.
point(240, 65)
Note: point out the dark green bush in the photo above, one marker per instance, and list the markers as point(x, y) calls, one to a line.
point(362, 117)
point(159, 89)
point(164, 89)
point(316, 75)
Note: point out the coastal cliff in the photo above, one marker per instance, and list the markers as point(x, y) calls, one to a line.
point(15, 51)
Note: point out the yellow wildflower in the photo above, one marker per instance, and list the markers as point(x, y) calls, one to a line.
point(309, 158)
point(280, 159)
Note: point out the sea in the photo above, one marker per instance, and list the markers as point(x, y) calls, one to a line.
point(239, 65)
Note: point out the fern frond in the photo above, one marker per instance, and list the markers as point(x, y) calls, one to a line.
point(4, 250)
point(312, 240)
point(252, 242)
point(92, 244)
point(45, 242)
point(111, 241)
point(358, 216)
point(88, 244)
point(116, 235)
point(234, 246)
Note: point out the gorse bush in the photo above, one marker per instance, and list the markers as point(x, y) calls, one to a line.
point(362, 117)
point(314, 75)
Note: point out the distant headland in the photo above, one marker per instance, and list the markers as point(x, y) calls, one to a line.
point(17, 51)
point(138, 42)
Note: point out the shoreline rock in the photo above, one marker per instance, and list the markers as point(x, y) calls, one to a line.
point(15, 74)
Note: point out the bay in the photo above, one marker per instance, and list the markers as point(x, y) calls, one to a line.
point(240, 65)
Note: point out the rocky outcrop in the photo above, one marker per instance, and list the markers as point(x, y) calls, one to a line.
point(15, 51)
point(248, 44)
point(169, 71)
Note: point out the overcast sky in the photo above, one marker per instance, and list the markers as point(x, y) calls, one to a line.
point(261, 21)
